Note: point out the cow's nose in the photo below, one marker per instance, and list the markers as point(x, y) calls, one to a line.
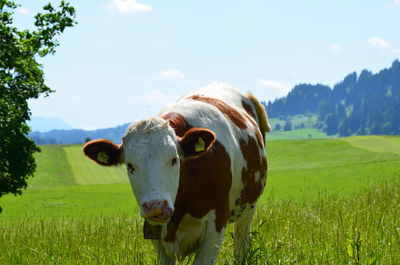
point(157, 211)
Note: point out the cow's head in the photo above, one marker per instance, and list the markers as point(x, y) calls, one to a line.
point(152, 154)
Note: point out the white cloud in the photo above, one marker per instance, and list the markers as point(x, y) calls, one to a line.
point(128, 6)
point(158, 98)
point(397, 2)
point(335, 47)
point(171, 73)
point(23, 10)
point(283, 89)
point(377, 42)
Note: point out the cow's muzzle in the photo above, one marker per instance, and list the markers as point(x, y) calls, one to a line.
point(157, 211)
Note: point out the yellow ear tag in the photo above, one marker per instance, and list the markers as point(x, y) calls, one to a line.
point(199, 146)
point(102, 157)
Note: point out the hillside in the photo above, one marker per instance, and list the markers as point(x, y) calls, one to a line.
point(361, 104)
point(68, 183)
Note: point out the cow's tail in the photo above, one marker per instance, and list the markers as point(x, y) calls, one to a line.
point(261, 114)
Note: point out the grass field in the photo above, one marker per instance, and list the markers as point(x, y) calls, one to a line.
point(68, 183)
point(362, 229)
point(328, 201)
point(308, 130)
point(299, 134)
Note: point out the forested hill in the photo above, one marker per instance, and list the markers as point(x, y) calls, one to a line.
point(364, 104)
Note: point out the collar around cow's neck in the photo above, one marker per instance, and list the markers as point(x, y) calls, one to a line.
point(154, 231)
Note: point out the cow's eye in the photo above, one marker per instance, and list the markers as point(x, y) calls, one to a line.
point(131, 169)
point(174, 160)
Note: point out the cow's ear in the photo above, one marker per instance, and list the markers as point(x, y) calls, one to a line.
point(103, 152)
point(196, 142)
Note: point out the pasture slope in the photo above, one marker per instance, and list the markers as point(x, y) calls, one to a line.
point(328, 201)
point(298, 134)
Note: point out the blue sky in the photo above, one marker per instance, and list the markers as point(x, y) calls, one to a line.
point(126, 59)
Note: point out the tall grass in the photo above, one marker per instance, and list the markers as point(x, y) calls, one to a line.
point(101, 240)
point(359, 229)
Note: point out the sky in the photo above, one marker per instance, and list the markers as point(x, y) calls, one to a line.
point(126, 59)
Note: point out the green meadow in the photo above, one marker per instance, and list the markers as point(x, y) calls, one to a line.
point(328, 201)
point(297, 134)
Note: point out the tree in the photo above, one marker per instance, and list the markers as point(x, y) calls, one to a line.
point(22, 78)
point(287, 126)
point(323, 110)
point(341, 111)
point(387, 128)
point(343, 129)
point(278, 127)
point(332, 124)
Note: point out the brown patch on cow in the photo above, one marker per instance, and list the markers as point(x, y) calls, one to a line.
point(259, 137)
point(227, 110)
point(252, 120)
point(111, 153)
point(249, 110)
point(252, 189)
point(204, 185)
point(196, 177)
point(177, 122)
point(253, 117)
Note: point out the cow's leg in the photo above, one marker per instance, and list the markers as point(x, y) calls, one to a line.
point(163, 259)
point(241, 239)
point(208, 252)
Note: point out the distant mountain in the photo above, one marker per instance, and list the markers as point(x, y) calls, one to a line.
point(358, 105)
point(42, 124)
point(77, 136)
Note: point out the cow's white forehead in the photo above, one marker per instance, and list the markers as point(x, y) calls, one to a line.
point(146, 125)
point(147, 133)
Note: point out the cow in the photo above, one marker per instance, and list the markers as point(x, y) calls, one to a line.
point(194, 168)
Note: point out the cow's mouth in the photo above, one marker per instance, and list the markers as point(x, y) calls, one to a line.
point(157, 215)
point(159, 219)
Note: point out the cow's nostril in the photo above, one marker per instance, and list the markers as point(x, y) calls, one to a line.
point(153, 204)
point(146, 206)
point(167, 211)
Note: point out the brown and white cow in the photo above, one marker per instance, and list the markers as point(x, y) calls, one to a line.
point(196, 167)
